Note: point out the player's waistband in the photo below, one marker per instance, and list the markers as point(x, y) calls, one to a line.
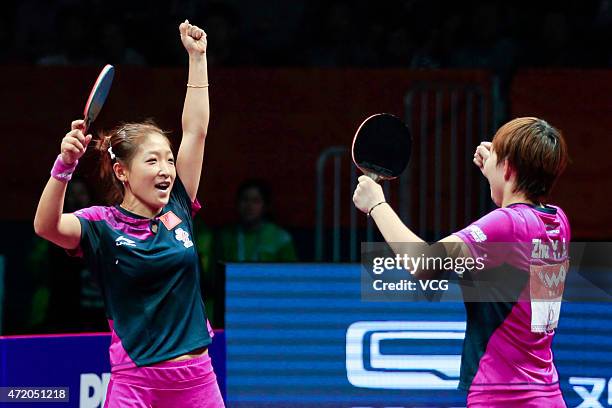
point(169, 374)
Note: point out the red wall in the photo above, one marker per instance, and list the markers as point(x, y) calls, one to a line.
point(580, 104)
point(265, 123)
point(273, 124)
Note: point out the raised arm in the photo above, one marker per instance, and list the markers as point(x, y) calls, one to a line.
point(196, 111)
point(370, 198)
point(49, 222)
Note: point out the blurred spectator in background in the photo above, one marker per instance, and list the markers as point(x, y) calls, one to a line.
point(254, 238)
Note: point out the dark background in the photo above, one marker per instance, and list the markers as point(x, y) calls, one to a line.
point(496, 35)
point(289, 79)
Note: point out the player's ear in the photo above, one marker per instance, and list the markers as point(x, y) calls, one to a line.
point(120, 171)
point(508, 170)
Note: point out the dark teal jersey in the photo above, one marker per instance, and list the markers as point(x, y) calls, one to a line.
point(149, 273)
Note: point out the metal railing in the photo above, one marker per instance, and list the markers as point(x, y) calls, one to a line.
point(440, 204)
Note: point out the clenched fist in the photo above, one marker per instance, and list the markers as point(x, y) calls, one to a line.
point(367, 194)
point(482, 153)
point(74, 143)
point(193, 38)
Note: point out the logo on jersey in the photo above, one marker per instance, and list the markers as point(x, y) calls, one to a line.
point(124, 241)
point(477, 234)
point(183, 236)
point(546, 289)
point(170, 220)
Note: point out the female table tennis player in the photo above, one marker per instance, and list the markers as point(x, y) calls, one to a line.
point(142, 249)
point(507, 359)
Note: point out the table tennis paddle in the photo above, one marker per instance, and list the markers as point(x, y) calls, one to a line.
point(382, 146)
point(98, 95)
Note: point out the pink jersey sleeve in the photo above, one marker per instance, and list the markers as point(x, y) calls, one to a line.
point(485, 236)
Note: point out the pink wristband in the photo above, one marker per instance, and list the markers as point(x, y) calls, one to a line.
point(62, 171)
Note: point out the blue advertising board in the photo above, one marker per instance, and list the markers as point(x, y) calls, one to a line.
point(79, 362)
point(300, 335)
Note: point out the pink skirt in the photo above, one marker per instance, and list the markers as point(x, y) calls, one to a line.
point(187, 383)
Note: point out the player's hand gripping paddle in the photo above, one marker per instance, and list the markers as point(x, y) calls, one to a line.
point(382, 147)
point(98, 95)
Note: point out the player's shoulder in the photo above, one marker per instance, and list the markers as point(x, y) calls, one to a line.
point(529, 220)
point(500, 218)
point(495, 226)
point(94, 213)
point(527, 212)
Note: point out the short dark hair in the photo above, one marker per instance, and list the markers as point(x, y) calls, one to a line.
point(536, 151)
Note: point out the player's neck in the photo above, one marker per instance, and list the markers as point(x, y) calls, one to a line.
point(515, 198)
point(131, 204)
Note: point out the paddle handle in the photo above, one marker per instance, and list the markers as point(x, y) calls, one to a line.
point(373, 176)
